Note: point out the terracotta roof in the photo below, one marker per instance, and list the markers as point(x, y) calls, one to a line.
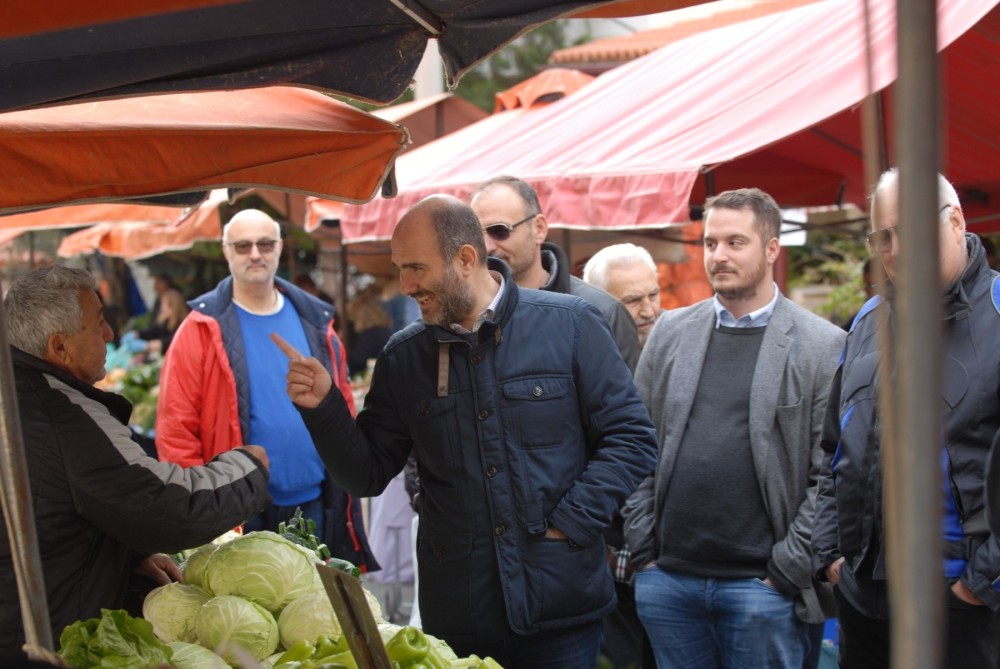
point(611, 51)
point(547, 86)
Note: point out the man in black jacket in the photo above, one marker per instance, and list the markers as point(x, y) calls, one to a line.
point(849, 538)
point(103, 508)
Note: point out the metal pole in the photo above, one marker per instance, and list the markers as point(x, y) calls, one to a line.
point(18, 512)
point(913, 503)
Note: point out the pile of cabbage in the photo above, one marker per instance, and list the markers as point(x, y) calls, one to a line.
point(249, 598)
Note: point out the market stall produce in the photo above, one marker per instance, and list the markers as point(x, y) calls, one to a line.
point(254, 601)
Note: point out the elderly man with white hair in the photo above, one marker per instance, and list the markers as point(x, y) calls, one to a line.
point(627, 272)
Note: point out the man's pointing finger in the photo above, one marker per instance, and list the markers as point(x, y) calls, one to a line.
point(286, 348)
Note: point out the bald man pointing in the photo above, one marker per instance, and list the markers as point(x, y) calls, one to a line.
point(525, 444)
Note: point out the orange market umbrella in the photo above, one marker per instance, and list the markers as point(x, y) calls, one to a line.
point(135, 240)
point(80, 215)
point(278, 137)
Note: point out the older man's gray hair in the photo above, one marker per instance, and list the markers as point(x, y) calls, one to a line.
point(45, 302)
point(596, 271)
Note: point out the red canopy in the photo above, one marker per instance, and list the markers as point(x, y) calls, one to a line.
point(631, 150)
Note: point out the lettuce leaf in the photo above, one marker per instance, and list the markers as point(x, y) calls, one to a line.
point(116, 640)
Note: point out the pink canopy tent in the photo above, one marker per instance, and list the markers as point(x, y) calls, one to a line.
point(530, 95)
point(769, 103)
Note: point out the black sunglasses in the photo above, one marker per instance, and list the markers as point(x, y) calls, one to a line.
point(501, 231)
point(265, 246)
point(880, 241)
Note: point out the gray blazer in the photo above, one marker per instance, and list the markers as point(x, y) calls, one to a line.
point(791, 384)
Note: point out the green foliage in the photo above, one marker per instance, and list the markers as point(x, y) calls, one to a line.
point(302, 531)
point(141, 387)
point(833, 255)
point(520, 60)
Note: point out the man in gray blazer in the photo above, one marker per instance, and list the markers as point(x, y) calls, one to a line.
point(737, 387)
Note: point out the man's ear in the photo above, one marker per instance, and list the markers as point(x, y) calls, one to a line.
point(541, 229)
point(55, 350)
point(466, 258)
point(772, 250)
point(956, 219)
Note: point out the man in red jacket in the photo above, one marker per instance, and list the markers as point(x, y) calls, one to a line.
point(223, 384)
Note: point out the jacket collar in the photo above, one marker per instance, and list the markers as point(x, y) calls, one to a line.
point(555, 262)
point(956, 298)
point(119, 407)
point(219, 299)
point(492, 328)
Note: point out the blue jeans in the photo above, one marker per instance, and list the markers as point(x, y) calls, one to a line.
point(715, 623)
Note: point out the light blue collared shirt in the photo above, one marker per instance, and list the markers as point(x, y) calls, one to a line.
point(488, 313)
point(755, 319)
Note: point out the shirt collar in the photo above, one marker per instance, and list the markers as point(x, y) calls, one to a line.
point(488, 314)
point(755, 319)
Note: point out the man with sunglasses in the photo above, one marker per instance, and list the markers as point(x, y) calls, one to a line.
point(849, 541)
point(515, 228)
point(222, 385)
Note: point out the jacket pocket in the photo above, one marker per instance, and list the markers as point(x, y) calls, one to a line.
point(565, 582)
point(540, 412)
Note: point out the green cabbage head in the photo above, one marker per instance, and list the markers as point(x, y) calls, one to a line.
point(307, 617)
point(193, 656)
point(172, 608)
point(227, 620)
point(194, 567)
point(263, 567)
point(312, 615)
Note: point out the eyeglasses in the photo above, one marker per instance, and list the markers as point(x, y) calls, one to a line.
point(265, 246)
point(880, 241)
point(501, 231)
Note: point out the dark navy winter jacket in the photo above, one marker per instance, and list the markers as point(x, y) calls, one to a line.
point(532, 422)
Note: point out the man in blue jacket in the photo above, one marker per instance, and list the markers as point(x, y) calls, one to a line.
point(528, 433)
point(849, 541)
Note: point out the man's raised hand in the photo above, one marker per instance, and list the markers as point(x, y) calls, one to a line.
point(308, 381)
